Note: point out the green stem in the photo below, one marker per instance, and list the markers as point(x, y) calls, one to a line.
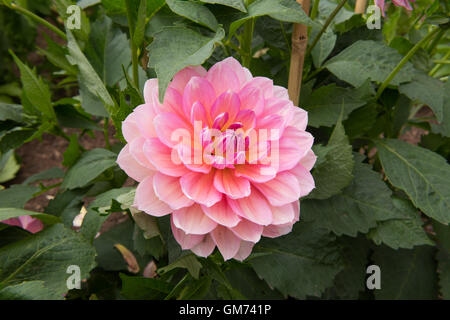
point(106, 133)
point(315, 9)
point(435, 41)
point(134, 51)
point(404, 61)
point(45, 189)
point(246, 43)
point(325, 26)
point(37, 19)
point(439, 65)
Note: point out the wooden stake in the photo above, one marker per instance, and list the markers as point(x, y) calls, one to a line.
point(360, 6)
point(299, 44)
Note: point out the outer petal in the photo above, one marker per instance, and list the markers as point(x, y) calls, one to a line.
point(235, 187)
point(205, 247)
point(280, 92)
point(147, 201)
point(275, 231)
point(182, 77)
point(252, 98)
point(226, 241)
point(281, 190)
point(130, 129)
point(255, 172)
point(244, 250)
point(170, 128)
point(308, 160)
point(137, 151)
point(254, 208)
point(305, 180)
point(294, 144)
point(186, 241)
point(222, 213)
point(131, 167)
point(198, 89)
point(163, 158)
point(284, 214)
point(144, 120)
point(241, 73)
point(151, 93)
point(248, 231)
point(223, 78)
point(265, 84)
point(168, 189)
point(192, 220)
point(299, 118)
point(200, 188)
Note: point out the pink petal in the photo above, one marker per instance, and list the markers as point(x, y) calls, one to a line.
point(222, 213)
point(187, 154)
point(182, 77)
point(147, 201)
point(283, 214)
point(223, 78)
point(192, 220)
point(281, 190)
point(144, 120)
point(275, 231)
point(242, 74)
point(131, 167)
point(151, 94)
point(200, 188)
point(255, 172)
point(198, 89)
point(254, 208)
point(170, 128)
point(31, 224)
point(308, 160)
point(235, 187)
point(198, 113)
point(252, 98)
point(173, 103)
point(299, 118)
point(137, 151)
point(248, 231)
point(247, 118)
point(205, 247)
point(244, 250)
point(130, 129)
point(186, 241)
point(294, 144)
point(304, 178)
point(280, 92)
point(227, 102)
point(226, 241)
point(163, 158)
point(168, 189)
point(265, 84)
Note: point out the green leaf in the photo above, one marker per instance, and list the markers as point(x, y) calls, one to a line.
point(427, 90)
point(324, 104)
point(140, 288)
point(443, 258)
point(52, 173)
point(91, 164)
point(406, 274)
point(108, 50)
point(300, 264)
point(56, 54)
point(72, 152)
point(11, 112)
point(444, 127)
point(237, 4)
point(139, 32)
point(66, 205)
point(366, 200)
point(68, 116)
point(9, 166)
point(17, 195)
point(14, 138)
point(367, 59)
point(188, 262)
point(175, 48)
point(401, 233)
point(88, 76)
point(334, 172)
point(28, 290)
point(325, 45)
point(8, 213)
point(194, 12)
point(283, 10)
point(422, 174)
point(45, 256)
point(35, 89)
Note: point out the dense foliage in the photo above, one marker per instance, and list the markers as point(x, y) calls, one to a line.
point(380, 198)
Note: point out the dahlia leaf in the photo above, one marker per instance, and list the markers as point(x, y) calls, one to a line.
point(45, 256)
point(17, 195)
point(367, 59)
point(357, 209)
point(406, 274)
point(13, 112)
point(28, 290)
point(302, 263)
point(140, 288)
point(444, 126)
point(237, 4)
point(334, 171)
point(8, 213)
point(443, 258)
point(422, 174)
point(175, 48)
point(195, 12)
point(91, 164)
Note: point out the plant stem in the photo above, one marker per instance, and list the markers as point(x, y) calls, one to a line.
point(37, 19)
point(315, 9)
point(134, 50)
point(439, 65)
point(404, 61)
point(360, 6)
point(246, 43)
point(325, 26)
point(435, 41)
point(106, 133)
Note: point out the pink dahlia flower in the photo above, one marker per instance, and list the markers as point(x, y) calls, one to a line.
point(28, 223)
point(399, 3)
point(226, 154)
